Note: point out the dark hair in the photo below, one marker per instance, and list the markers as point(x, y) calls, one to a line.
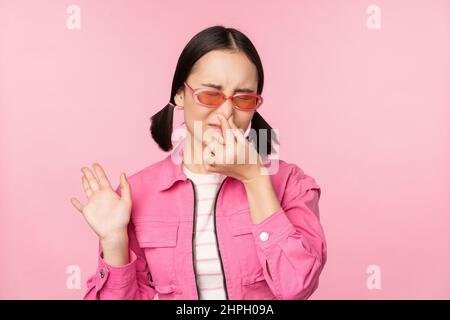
point(212, 38)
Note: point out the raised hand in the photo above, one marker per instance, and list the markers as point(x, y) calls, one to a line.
point(107, 213)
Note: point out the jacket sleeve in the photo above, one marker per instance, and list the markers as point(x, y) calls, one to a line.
point(128, 282)
point(291, 241)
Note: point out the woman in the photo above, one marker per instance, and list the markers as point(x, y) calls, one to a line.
point(222, 223)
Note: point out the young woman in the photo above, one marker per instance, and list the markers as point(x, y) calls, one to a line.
point(224, 222)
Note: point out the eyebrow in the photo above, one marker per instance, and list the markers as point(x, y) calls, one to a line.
point(219, 87)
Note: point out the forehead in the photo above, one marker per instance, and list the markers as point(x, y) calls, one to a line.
point(226, 68)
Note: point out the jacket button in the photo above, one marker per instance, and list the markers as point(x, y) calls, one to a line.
point(264, 236)
point(102, 273)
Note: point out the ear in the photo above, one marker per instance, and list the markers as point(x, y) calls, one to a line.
point(179, 98)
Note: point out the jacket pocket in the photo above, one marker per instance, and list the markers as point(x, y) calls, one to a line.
point(166, 292)
point(157, 234)
point(158, 239)
point(244, 247)
point(259, 276)
point(255, 287)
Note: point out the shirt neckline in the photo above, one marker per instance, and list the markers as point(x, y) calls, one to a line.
point(213, 177)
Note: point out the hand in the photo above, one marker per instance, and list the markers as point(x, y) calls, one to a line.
point(106, 212)
point(232, 154)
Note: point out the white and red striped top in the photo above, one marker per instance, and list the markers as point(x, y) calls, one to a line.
point(207, 263)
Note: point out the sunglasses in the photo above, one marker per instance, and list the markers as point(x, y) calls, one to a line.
point(213, 98)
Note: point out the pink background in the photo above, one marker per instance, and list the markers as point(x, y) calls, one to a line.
point(365, 112)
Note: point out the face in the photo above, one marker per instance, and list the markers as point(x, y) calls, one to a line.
point(230, 70)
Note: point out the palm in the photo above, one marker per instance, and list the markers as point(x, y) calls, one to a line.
point(106, 212)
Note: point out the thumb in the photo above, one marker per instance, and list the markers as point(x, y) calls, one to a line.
point(125, 186)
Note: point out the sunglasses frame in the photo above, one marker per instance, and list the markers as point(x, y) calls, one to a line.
point(195, 93)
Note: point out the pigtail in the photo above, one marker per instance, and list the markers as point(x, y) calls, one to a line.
point(162, 126)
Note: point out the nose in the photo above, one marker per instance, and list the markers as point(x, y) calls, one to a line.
point(226, 109)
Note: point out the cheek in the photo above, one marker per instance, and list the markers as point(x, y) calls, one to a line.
point(195, 113)
point(243, 119)
point(196, 117)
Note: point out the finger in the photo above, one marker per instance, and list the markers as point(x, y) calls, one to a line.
point(224, 124)
point(101, 176)
point(214, 142)
point(77, 204)
point(211, 168)
point(212, 133)
point(218, 137)
point(217, 151)
point(238, 132)
point(208, 155)
point(221, 140)
point(93, 183)
point(209, 140)
point(210, 163)
point(125, 188)
point(87, 189)
point(229, 136)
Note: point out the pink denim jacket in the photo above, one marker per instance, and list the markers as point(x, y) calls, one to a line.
point(161, 266)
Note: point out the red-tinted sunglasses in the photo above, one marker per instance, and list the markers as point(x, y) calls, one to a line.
point(213, 98)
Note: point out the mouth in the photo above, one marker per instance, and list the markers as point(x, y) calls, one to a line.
point(214, 127)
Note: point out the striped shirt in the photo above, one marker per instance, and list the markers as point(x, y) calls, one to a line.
point(207, 263)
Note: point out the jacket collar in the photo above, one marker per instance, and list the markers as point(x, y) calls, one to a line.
point(171, 170)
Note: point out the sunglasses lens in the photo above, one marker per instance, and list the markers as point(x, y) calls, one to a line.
point(211, 98)
point(247, 102)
